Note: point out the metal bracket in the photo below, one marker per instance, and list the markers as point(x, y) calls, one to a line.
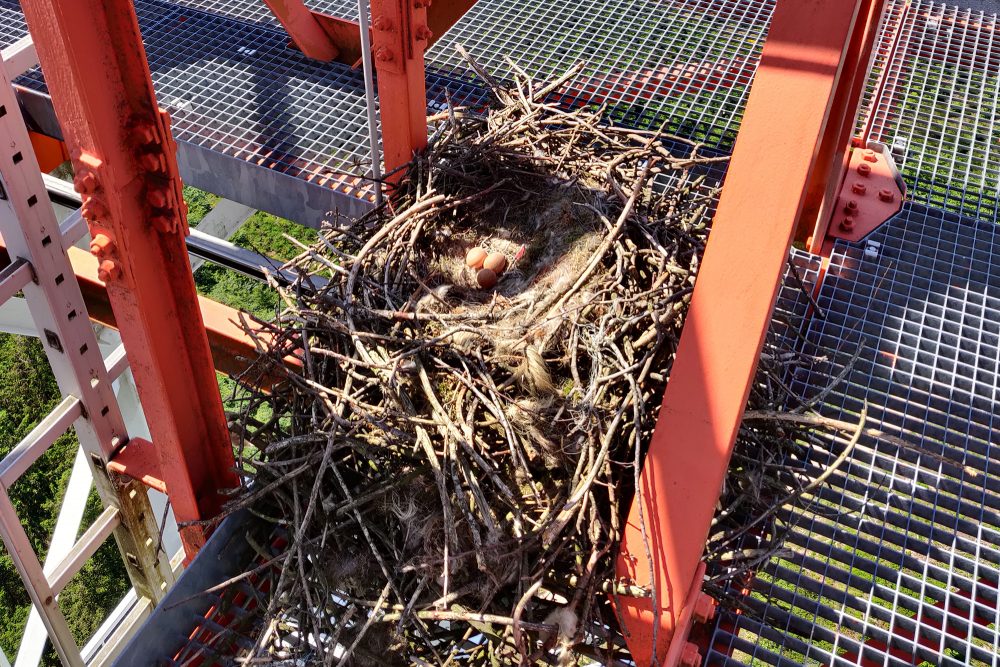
point(140, 461)
point(871, 194)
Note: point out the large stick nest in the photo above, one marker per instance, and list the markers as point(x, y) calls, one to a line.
point(451, 465)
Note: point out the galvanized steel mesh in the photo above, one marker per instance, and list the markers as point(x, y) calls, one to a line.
point(896, 560)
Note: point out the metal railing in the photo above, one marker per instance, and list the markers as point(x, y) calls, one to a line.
point(40, 269)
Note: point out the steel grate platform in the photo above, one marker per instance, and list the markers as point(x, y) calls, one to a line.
point(897, 560)
point(236, 89)
point(683, 64)
point(937, 107)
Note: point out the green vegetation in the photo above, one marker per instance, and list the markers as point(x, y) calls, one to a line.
point(265, 234)
point(199, 204)
point(28, 391)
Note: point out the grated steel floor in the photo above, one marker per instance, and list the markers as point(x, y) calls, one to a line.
point(225, 71)
point(937, 109)
point(897, 560)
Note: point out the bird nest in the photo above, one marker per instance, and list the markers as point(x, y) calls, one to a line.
point(451, 463)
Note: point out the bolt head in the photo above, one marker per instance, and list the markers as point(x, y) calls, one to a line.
point(109, 270)
point(93, 209)
point(383, 55)
point(143, 134)
point(382, 23)
point(85, 182)
point(162, 223)
point(424, 33)
point(846, 225)
point(870, 156)
point(858, 188)
point(421, 4)
point(865, 169)
point(690, 656)
point(852, 207)
point(157, 197)
point(704, 608)
point(152, 162)
point(100, 245)
point(886, 196)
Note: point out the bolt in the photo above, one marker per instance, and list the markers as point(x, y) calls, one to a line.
point(704, 608)
point(101, 245)
point(421, 4)
point(157, 197)
point(93, 209)
point(383, 55)
point(423, 33)
point(109, 270)
point(886, 196)
point(865, 169)
point(152, 162)
point(162, 223)
point(870, 156)
point(690, 657)
point(85, 182)
point(859, 188)
point(846, 225)
point(851, 208)
point(382, 23)
point(144, 134)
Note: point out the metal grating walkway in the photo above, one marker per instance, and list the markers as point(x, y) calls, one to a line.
point(897, 560)
point(937, 109)
point(236, 89)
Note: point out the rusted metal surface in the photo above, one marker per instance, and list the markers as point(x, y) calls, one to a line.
point(125, 164)
point(778, 180)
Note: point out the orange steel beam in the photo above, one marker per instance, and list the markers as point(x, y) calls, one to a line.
point(791, 142)
point(442, 14)
point(233, 349)
point(124, 158)
point(833, 158)
point(305, 30)
point(399, 37)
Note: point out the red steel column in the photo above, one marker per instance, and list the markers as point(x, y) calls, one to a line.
point(790, 147)
point(399, 37)
point(124, 156)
